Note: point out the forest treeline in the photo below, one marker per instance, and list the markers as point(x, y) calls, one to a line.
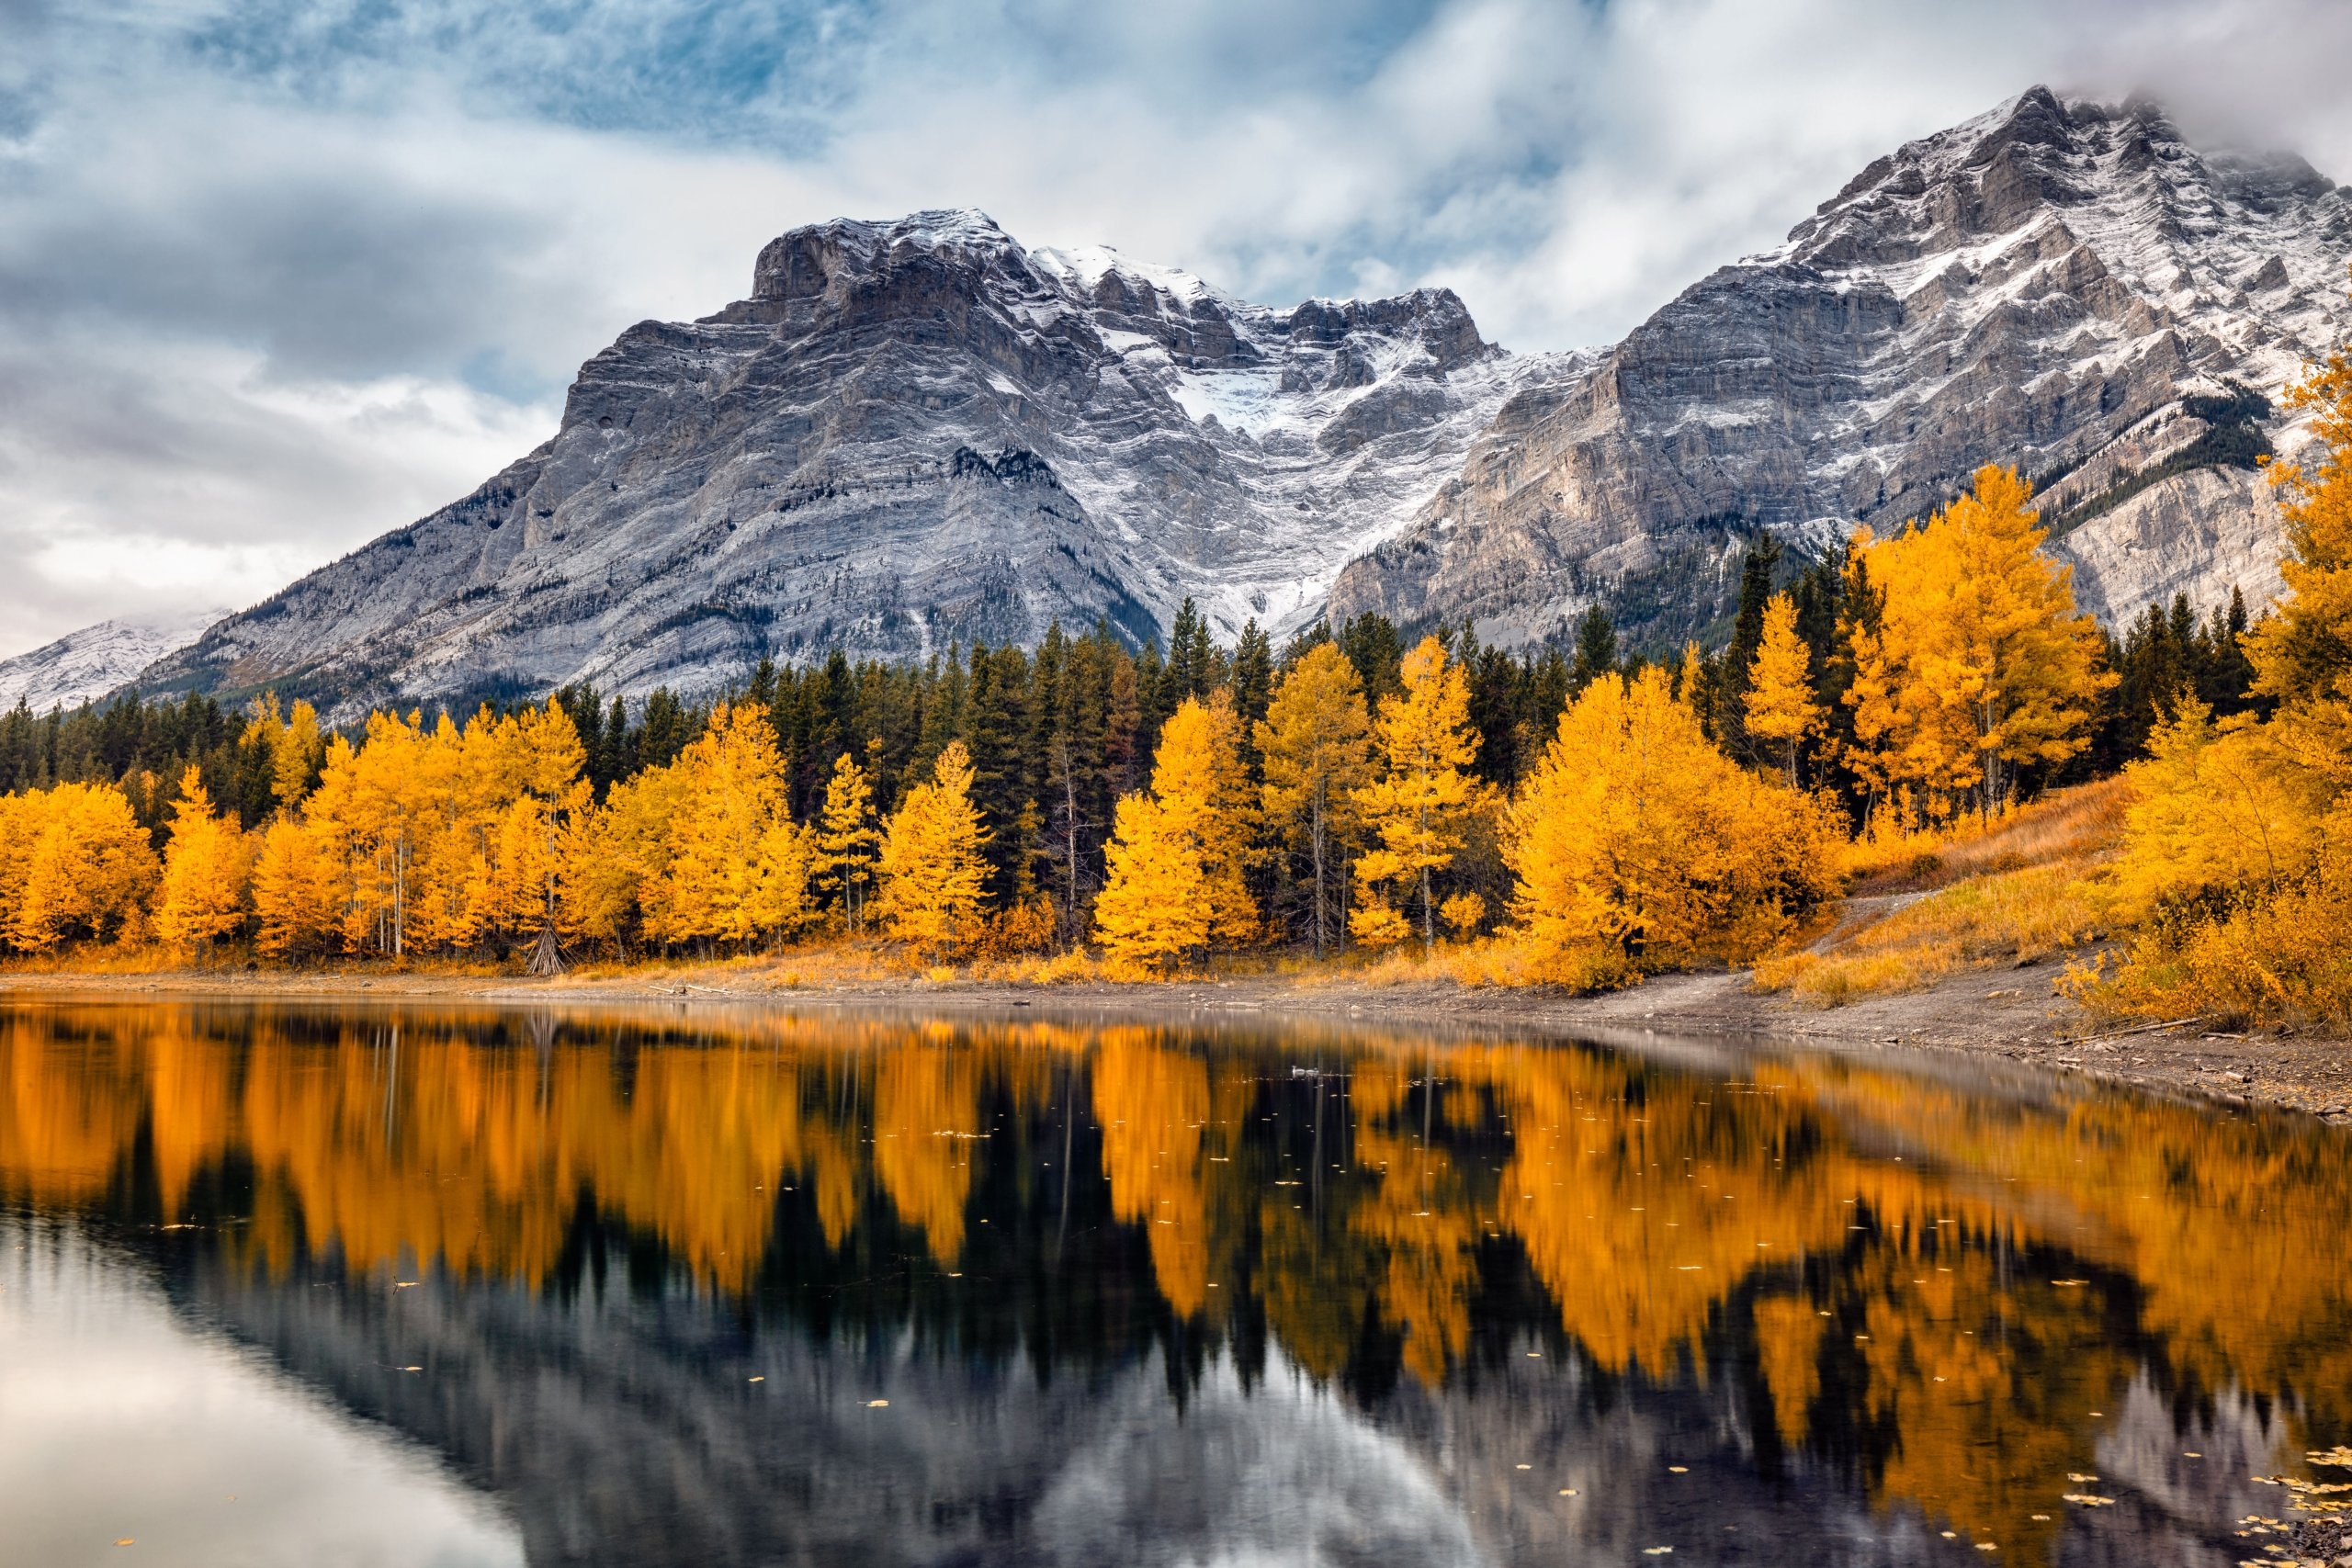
point(1604, 812)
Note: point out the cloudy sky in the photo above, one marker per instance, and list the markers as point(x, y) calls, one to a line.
point(276, 277)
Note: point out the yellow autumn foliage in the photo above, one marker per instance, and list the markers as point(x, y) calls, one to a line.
point(1154, 907)
point(1780, 708)
point(206, 868)
point(1977, 662)
point(931, 871)
point(1417, 808)
point(1316, 740)
point(74, 863)
point(2235, 858)
point(1636, 839)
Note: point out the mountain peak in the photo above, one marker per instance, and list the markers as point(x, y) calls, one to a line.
point(916, 432)
point(806, 261)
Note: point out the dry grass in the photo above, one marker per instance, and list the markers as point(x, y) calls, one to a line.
point(154, 958)
point(2012, 895)
point(2063, 824)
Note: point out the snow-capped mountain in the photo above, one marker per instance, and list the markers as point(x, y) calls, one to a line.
point(911, 433)
point(918, 432)
point(87, 664)
point(2042, 286)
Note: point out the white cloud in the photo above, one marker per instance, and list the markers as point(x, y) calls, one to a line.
point(276, 275)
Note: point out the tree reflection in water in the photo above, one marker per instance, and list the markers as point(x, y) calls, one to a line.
point(1928, 1301)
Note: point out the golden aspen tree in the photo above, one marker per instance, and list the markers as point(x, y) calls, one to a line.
point(2234, 840)
point(1201, 783)
point(1870, 690)
point(87, 867)
point(206, 867)
point(781, 900)
point(1316, 740)
point(1200, 813)
point(848, 842)
point(1154, 905)
point(20, 818)
point(1420, 804)
point(364, 811)
point(1780, 709)
point(297, 752)
point(298, 881)
point(446, 798)
point(932, 870)
point(1980, 663)
point(296, 748)
point(2216, 812)
point(1635, 840)
point(737, 868)
point(1690, 677)
point(607, 856)
point(1462, 913)
point(2302, 652)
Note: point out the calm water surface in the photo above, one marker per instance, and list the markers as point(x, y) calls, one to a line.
point(338, 1285)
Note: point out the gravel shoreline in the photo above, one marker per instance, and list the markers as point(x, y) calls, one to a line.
point(2004, 1015)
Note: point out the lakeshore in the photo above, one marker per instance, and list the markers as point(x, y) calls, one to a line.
point(2011, 1015)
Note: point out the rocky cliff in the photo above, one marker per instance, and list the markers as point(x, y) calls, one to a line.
point(919, 433)
point(2043, 285)
point(910, 434)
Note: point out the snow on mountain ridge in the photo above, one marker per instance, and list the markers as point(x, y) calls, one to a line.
point(2027, 288)
point(916, 433)
point(85, 665)
point(910, 434)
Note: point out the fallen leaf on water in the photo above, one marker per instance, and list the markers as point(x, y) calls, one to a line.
point(2078, 1475)
point(878, 1404)
point(1658, 1551)
point(761, 1379)
point(2042, 1518)
point(411, 1369)
point(2087, 1501)
point(126, 1541)
point(1677, 1470)
point(1568, 1491)
point(1527, 1467)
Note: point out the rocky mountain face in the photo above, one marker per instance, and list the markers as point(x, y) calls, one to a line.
point(916, 433)
point(2052, 286)
point(82, 666)
point(910, 434)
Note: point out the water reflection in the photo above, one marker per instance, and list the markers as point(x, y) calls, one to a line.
point(1147, 1294)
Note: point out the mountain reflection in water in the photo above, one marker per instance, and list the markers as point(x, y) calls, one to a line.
point(1196, 1294)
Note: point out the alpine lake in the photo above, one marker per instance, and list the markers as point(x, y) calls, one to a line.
point(309, 1282)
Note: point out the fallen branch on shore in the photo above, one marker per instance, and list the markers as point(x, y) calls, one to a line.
point(2142, 1029)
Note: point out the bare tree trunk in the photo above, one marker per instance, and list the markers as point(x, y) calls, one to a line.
point(1069, 830)
point(1429, 914)
point(1318, 836)
point(1347, 894)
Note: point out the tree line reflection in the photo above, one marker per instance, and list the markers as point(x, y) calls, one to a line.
point(1937, 1290)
